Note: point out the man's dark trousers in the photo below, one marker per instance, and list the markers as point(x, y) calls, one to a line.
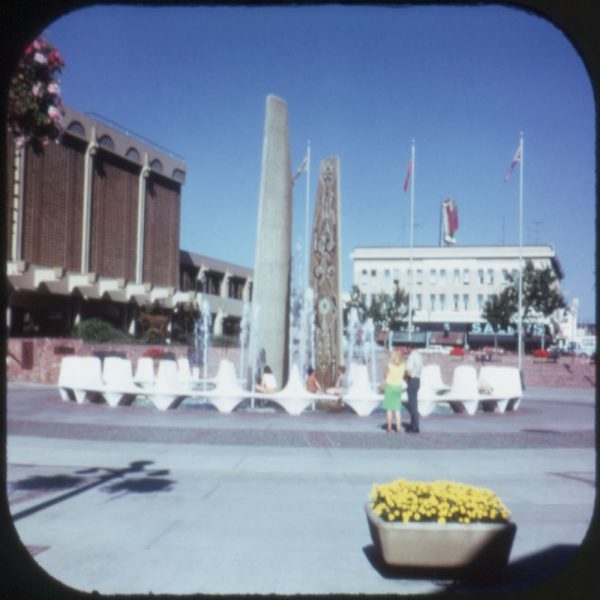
point(413, 385)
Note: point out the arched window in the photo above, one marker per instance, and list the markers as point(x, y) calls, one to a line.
point(76, 128)
point(133, 154)
point(106, 142)
point(178, 175)
point(156, 165)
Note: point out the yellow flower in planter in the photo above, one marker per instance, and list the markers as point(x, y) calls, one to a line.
point(438, 501)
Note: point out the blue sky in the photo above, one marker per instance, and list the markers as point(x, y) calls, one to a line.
point(360, 83)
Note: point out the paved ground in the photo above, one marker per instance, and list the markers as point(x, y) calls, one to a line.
point(134, 500)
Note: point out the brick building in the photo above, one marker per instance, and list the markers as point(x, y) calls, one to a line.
point(93, 231)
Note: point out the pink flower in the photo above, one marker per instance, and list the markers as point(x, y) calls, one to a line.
point(55, 59)
point(38, 89)
point(54, 88)
point(40, 58)
point(54, 113)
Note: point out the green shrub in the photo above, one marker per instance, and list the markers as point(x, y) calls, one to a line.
point(225, 341)
point(96, 330)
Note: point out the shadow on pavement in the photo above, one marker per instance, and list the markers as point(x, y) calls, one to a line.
point(523, 573)
point(151, 481)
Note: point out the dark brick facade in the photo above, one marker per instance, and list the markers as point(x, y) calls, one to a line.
point(161, 238)
point(52, 205)
point(52, 224)
point(114, 216)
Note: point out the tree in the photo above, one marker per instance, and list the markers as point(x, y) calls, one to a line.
point(498, 312)
point(34, 102)
point(541, 297)
point(387, 311)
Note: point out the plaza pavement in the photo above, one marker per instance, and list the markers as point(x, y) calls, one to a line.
point(133, 500)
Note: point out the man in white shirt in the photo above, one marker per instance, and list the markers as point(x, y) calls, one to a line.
point(414, 364)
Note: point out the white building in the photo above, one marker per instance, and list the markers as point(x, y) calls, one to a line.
point(451, 283)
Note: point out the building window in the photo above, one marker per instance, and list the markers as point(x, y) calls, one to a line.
point(419, 276)
point(515, 274)
point(364, 276)
point(419, 299)
point(433, 277)
point(480, 302)
point(373, 273)
point(505, 275)
point(490, 276)
point(156, 166)
point(396, 275)
point(106, 142)
point(456, 306)
point(466, 301)
point(457, 276)
point(442, 301)
point(480, 276)
point(442, 276)
point(386, 276)
point(133, 154)
point(466, 276)
point(432, 302)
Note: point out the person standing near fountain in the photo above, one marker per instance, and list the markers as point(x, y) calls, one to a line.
point(414, 364)
point(392, 398)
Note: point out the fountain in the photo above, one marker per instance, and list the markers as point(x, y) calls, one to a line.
point(205, 320)
point(244, 337)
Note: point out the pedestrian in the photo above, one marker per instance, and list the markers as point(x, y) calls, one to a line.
point(312, 385)
point(414, 364)
point(392, 393)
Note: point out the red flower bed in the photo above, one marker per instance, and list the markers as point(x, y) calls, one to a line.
point(457, 351)
point(539, 353)
point(153, 353)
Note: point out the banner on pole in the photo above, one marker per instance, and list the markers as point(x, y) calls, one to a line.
point(450, 220)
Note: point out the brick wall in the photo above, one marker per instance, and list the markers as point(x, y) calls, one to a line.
point(52, 205)
point(161, 238)
point(114, 216)
point(37, 360)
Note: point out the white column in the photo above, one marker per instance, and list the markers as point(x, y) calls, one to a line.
point(139, 252)
point(87, 202)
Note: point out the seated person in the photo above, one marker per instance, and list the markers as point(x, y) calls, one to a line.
point(341, 383)
point(312, 385)
point(268, 383)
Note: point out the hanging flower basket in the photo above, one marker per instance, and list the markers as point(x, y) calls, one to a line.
point(441, 525)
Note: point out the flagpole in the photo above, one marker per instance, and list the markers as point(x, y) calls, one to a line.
point(520, 323)
point(306, 241)
point(411, 227)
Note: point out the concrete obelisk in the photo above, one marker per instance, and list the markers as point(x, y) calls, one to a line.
point(270, 295)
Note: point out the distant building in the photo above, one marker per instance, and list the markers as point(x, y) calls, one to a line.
point(451, 284)
point(93, 231)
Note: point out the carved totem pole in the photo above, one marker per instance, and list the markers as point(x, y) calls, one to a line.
point(325, 272)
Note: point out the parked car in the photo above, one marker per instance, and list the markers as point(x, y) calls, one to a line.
point(436, 349)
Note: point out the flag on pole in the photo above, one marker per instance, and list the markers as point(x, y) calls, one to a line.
point(515, 160)
point(450, 216)
point(300, 170)
point(408, 173)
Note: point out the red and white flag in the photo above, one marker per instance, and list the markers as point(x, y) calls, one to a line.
point(300, 170)
point(450, 214)
point(515, 160)
point(408, 173)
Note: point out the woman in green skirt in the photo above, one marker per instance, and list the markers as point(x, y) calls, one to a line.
point(392, 398)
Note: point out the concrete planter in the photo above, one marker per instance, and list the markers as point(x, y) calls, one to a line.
point(480, 547)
